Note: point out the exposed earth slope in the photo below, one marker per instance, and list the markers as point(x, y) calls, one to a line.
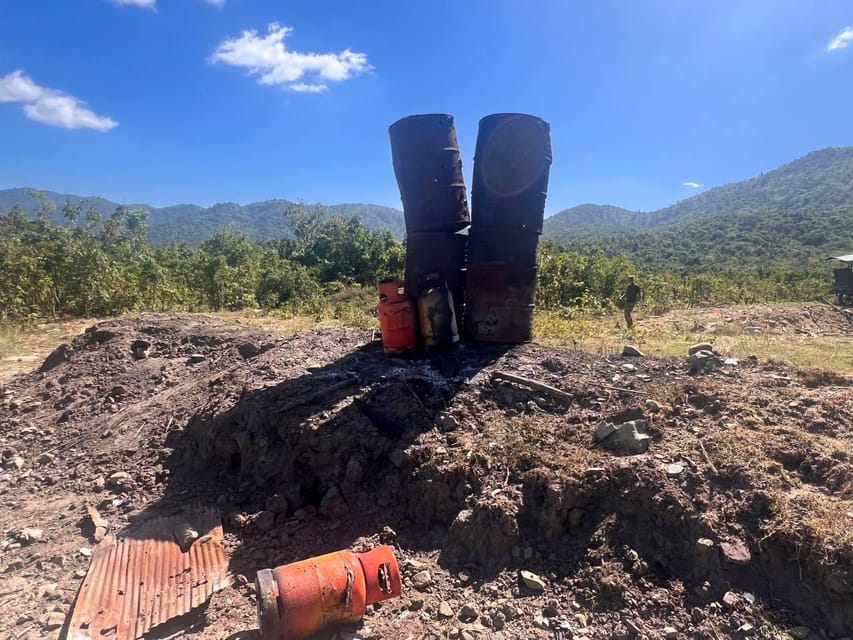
point(736, 522)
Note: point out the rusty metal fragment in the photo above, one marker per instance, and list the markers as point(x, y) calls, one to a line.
point(141, 579)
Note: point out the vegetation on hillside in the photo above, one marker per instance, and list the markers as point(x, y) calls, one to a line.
point(192, 224)
point(95, 266)
point(785, 221)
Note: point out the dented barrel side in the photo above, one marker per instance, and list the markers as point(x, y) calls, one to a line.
point(428, 168)
point(512, 164)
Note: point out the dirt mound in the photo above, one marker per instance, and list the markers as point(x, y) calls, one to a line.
point(735, 522)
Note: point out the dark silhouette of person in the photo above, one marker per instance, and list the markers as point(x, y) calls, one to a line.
point(633, 294)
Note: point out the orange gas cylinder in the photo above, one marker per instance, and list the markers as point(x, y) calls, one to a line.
point(297, 600)
point(396, 317)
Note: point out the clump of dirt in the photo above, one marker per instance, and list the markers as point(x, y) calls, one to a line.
point(736, 522)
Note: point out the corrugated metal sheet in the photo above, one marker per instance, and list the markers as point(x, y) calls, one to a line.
point(142, 579)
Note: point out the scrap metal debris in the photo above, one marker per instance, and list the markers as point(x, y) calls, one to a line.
point(142, 578)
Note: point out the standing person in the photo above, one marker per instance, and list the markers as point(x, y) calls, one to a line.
point(633, 294)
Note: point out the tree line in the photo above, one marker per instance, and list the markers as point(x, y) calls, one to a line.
point(101, 266)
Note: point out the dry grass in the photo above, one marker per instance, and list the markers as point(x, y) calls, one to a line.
point(22, 348)
point(800, 341)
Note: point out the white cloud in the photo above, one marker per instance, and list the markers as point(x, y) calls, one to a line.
point(216, 3)
point(145, 4)
point(841, 40)
point(692, 185)
point(303, 87)
point(268, 58)
point(50, 106)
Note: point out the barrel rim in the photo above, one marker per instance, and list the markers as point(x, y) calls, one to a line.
point(515, 114)
point(421, 115)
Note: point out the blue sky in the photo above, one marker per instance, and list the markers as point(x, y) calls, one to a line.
point(168, 101)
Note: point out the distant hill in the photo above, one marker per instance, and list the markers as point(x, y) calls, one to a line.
point(193, 224)
point(802, 210)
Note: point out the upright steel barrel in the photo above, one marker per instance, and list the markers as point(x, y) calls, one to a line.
point(428, 168)
point(512, 163)
point(500, 302)
point(432, 255)
point(511, 170)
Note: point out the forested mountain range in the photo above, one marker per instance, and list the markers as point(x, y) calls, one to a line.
point(801, 211)
point(193, 224)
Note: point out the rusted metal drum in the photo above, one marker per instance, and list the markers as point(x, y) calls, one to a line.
point(500, 302)
point(512, 163)
point(512, 247)
point(441, 255)
point(428, 167)
point(494, 323)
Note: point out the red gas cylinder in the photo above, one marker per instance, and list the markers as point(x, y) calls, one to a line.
point(396, 317)
point(297, 600)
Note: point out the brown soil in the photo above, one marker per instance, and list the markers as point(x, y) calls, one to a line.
point(737, 522)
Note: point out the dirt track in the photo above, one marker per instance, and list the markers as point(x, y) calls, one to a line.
point(737, 521)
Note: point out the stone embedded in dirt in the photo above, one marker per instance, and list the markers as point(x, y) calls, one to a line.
point(703, 362)
point(630, 351)
point(628, 438)
point(468, 613)
point(674, 469)
point(354, 472)
point(746, 628)
point(29, 535)
point(421, 580)
point(54, 620)
point(700, 346)
point(697, 615)
point(196, 358)
point(731, 599)
point(15, 462)
point(628, 368)
point(119, 480)
point(445, 610)
point(731, 362)
point(448, 423)
point(498, 620)
point(800, 633)
point(248, 350)
point(49, 590)
point(670, 633)
point(46, 458)
point(652, 406)
point(604, 430)
point(736, 552)
point(86, 552)
point(531, 580)
point(139, 349)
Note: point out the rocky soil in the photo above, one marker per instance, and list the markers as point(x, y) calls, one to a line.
point(509, 518)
